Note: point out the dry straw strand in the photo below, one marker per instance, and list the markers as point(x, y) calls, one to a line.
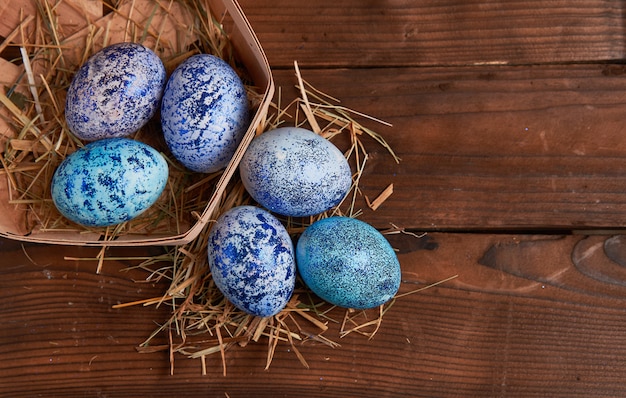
point(380, 199)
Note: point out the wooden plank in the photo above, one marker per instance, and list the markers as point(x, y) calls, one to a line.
point(408, 33)
point(483, 147)
point(490, 147)
point(527, 314)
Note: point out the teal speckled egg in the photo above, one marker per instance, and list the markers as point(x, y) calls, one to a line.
point(108, 181)
point(347, 262)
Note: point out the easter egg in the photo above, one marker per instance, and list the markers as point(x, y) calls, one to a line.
point(108, 181)
point(252, 260)
point(295, 172)
point(115, 92)
point(347, 262)
point(204, 113)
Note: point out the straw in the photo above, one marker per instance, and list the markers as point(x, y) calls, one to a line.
point(202, 321)
point(199, 309)
point(380, 199)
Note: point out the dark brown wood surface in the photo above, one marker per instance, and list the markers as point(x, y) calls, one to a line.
point(509, 118)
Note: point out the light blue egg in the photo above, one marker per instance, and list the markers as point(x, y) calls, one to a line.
point(108, 181)
point(115, 92)
point(252, 261)
point(347, 262)
point(204, 113)
point(295, 172)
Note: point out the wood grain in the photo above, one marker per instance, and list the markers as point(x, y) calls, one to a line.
point(520, 319)
point(491, 147)
point(508, 116)
point(430, 33)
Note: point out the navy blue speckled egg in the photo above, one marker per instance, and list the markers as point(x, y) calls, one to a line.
point(347, 262)
point(108, 181)
point(252, 261)
point(295, 172)
point(115, 92)
point(204, 113)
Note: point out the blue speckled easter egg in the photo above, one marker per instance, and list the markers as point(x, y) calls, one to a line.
point(115, 92)
point(252, 262)
point(347, 262)
point(295, 172)
point(204, 113)
point(108, 181)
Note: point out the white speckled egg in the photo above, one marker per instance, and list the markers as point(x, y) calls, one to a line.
point(252, 260)
point(204, 113)
point(115, 92)
point(295, 172)
point(108, 181)
point(347, 262)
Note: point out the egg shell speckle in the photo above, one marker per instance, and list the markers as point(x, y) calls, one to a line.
point(115, 92)
point(108, 182)
point(295, 172)
point(347, 262)
point(204, 113)
point(252, 260)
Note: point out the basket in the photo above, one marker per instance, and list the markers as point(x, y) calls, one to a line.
point(246, 49)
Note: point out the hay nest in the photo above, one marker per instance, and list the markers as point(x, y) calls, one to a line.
point(40, 56)
point(203, 322)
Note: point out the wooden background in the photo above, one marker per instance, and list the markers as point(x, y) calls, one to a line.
point(509, 118)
